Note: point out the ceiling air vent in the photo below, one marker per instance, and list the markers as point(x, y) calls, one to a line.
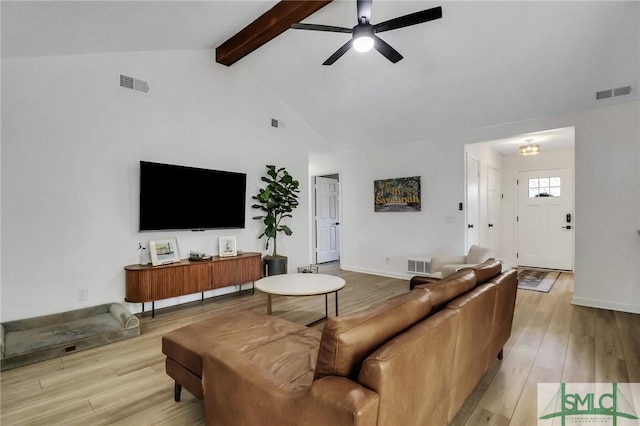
point(610, 93)
point(134, 84)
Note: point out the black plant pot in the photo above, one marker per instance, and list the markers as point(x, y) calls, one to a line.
point(274, 265)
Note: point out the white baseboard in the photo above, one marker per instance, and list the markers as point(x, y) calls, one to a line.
point(387, 274)
point(603, 304)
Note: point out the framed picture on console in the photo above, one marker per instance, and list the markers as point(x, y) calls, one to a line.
point(164, 251)
point(228, 246)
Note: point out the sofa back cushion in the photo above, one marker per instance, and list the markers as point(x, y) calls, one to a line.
point(487, 270)
point(347, 340)
point(475, 312)
point(413, 372)
point(450, 287)
point(507, 287)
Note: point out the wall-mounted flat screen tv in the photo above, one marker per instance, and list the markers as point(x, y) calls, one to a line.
point(177, 197)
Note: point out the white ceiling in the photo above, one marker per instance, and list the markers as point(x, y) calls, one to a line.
point(482, 64)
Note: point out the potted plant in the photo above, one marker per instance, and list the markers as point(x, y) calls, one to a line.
point(276, 200)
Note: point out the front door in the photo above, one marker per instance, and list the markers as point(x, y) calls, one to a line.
point(545, 220)
point(327, 220)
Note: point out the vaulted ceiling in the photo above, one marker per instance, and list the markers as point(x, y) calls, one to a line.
point(482, 64)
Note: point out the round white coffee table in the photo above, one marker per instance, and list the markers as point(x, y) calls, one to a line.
point(301, 285)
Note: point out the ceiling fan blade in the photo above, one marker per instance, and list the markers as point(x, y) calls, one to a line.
point(316, 27)
point(338, 53)
point(387, 51)
point(364, 10)
point(410, 19)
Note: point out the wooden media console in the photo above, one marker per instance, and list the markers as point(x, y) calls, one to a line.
point(146, 283)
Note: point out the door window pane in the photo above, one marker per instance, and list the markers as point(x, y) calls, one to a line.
point(545, 187)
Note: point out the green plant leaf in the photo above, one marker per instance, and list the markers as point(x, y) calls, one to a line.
point(276, 199)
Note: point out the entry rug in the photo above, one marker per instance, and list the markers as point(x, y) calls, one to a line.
point(537, 279)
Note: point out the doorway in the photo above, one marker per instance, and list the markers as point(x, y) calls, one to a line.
point(504, 225)
point(473, 202)
point(327, 218)
point(494, 196)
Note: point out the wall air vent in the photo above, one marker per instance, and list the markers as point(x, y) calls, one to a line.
point(278, 124)
point(610, 93)
point(418, 266)
point(621, 91)
point(134, 84)
point(604, 94)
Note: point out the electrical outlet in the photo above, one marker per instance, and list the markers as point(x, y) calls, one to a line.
point(83, 294)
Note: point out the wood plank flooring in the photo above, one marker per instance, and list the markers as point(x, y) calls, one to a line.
point(124, 383)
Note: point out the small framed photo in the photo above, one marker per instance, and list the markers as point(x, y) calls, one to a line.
point(164, 251)
point(228, 246)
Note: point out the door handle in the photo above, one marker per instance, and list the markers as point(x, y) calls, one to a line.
point(470, 225)
point(491, 225)
point(566, 227)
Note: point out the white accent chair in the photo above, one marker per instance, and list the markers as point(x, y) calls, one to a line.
point(442, 266)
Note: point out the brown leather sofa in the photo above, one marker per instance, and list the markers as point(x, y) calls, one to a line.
point(410, 360)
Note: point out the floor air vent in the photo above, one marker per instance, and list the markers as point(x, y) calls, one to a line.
point(134, 84)
point(418, 266)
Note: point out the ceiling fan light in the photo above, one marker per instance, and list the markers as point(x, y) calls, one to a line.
point(363, 37)
point(363, 44)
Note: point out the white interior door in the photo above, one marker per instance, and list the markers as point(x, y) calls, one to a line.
point(493, 208)
point(473, 202)
point(327, 220)
point(545, 219)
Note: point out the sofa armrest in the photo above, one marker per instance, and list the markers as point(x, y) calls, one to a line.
point(438, 262)
point(123, 316)
point(237, 392)
point(343, 401)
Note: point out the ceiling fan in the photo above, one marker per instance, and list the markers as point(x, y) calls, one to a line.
point(363, 35)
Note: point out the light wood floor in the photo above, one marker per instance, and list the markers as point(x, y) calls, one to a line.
point(124, 383)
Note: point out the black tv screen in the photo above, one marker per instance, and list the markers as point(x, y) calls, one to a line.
point(177, 197)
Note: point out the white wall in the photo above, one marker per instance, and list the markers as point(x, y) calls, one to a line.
point(380, 243)
point(512, 164)
point(607, 197)
point(72, 140)
point(607, 270)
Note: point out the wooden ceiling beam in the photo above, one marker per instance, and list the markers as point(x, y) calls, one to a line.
point(267, 27)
